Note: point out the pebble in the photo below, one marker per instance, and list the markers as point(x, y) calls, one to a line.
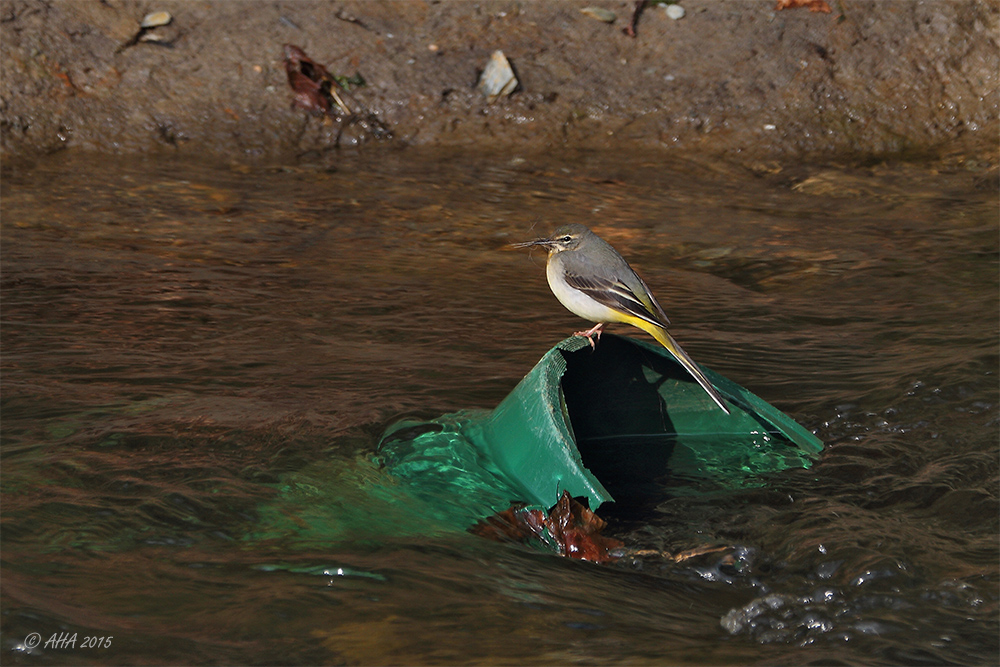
point(498, 78)
point(599, 13)
point(156, 19)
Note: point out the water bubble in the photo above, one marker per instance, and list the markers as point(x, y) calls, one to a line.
point(827, 569)
point(870, 628)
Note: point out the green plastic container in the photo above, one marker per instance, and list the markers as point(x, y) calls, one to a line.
point(624, 422)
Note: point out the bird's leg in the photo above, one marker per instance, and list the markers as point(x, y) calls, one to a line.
point(590, 333)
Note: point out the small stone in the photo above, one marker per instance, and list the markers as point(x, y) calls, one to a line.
point(498, 78)
point(156, 19)
point(599, 13)
point(675, 12)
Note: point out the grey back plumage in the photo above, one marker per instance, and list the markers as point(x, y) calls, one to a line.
point(605, 276)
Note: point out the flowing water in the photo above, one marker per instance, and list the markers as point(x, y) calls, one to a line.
point(184, 345)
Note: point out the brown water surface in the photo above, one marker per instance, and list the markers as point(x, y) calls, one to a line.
point(182, 343)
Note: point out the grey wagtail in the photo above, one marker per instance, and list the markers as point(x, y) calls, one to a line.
point(593, 281)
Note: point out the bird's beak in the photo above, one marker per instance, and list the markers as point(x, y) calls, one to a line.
point(528, 244)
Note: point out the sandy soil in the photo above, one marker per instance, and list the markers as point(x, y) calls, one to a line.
point(870, 78)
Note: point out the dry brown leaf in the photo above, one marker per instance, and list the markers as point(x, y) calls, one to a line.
point(317, 91)
point(813, 5)
point(575, 530)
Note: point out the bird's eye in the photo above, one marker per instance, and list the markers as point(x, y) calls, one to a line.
point(566, 239)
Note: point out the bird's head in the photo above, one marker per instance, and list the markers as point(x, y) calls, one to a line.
point(566, 237)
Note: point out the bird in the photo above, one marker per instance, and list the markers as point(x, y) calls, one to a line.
point(593, 281)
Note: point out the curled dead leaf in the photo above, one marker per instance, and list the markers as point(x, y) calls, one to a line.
point(571, 527)
point(813, 5)
point(317, 91)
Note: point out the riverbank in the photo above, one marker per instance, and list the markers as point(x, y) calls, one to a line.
point(738, 78)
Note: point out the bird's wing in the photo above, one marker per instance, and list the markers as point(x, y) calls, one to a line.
point(616, 295)
point(652, 299)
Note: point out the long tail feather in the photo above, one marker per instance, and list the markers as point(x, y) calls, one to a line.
point(666, 340)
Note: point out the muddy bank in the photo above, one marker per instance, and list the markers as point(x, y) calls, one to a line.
point(733, 77)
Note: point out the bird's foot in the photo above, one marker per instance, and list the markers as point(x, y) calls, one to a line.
point(590, 333)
